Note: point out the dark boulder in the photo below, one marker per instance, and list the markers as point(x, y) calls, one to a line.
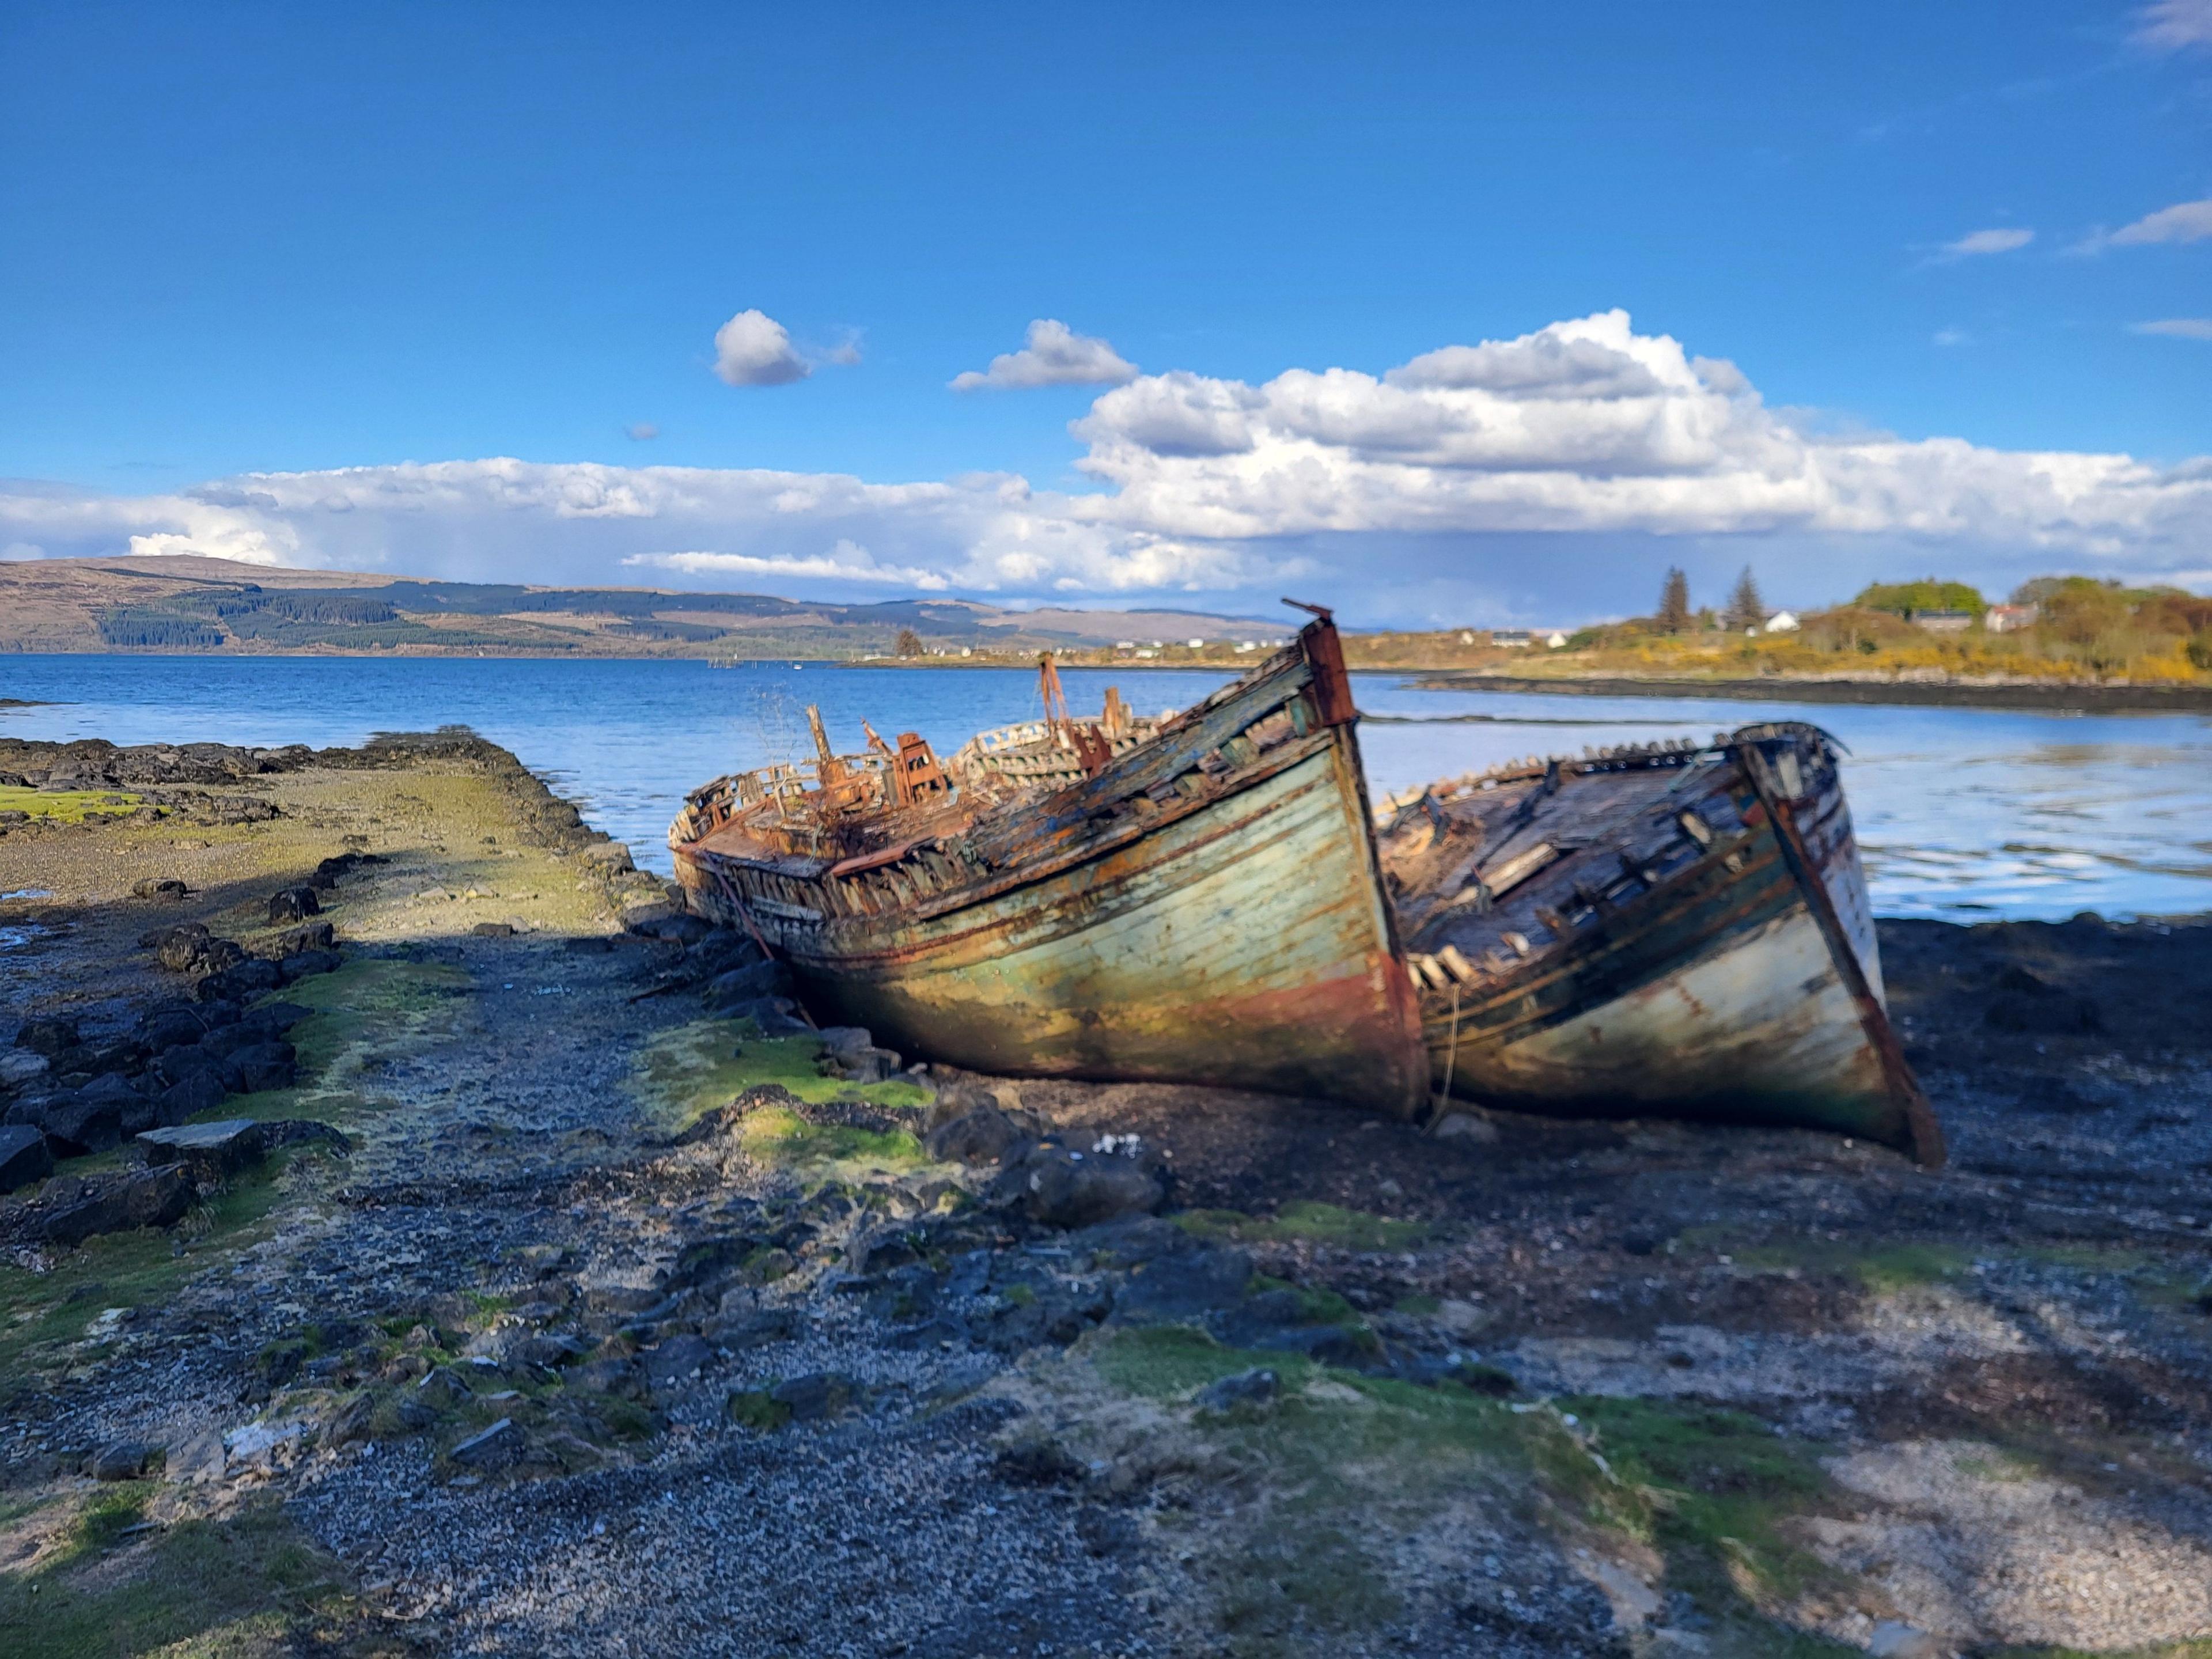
point(166, 889)
point(755, 1329)
point(1182, 1285)
point(273, 1019)
point(675, 1362)
point(982, 1136)
point(328, 871)
point(201, 1059)
point(24, 1157)
point(47, 1036)
point(747, 984)
point(1057, 1187)
point(957, 1097)
point(1246, 1391)
point(850, 1052)
point(548, 1352)
point(78, 1126)
point(610, 1374)
point(241, 981)
point(125, 1460)
point(495, 1448)
point(210, 1152)
point(315, 936)
point(292, 904)
point(266, 1065)
point(142, 1198)
point(203, 1091)
point(301, 963)
point(775, 1016)
point(170, 1028)
point(817, 1396)
point(1037, 1459)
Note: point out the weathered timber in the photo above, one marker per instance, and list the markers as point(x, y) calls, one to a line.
point(1197, 901)
point(1694, 939)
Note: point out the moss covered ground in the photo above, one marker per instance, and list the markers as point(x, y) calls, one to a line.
point(185, 1588)
point(64, 805)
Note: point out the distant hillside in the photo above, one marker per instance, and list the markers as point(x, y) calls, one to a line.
point(196, 605)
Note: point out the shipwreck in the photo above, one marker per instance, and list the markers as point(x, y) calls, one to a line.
point(1679, 928)
point(1196, 899)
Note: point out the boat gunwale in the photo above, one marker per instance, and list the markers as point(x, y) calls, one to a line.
point(1011, 879)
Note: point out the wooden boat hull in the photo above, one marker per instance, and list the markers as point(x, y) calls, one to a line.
point(1241, 940)
point(1745, 987)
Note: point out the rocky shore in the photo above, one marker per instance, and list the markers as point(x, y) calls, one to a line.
point(527, 1276)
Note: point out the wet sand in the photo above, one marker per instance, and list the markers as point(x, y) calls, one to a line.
point(777, 1380)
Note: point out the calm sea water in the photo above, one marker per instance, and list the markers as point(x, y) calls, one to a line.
point(1962, 813)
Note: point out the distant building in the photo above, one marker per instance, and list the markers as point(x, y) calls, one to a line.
point(1465, 637)
point(1782, 622)
point(1125, 644)
point(2006, 618)
point(1942, 622)
point(1518, 639)
point(1246, 644)
point(1195, 644)
point(1555, 641)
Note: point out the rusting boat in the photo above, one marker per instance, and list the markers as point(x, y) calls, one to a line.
point(1676, 928)
point(1194, 900)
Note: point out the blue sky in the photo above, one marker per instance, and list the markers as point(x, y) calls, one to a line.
point(280, 239)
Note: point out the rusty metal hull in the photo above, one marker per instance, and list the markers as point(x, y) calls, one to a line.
point(1744, 985)
point(1235, 936)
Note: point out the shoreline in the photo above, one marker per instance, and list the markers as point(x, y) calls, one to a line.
point(574, 1231)
point(2049, 695)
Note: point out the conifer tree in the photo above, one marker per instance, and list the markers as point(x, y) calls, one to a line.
point(1674, 602)
point(1746, 609)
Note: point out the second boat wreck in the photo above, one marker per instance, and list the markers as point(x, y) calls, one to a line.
point(1680, 928)
point(1198, 901)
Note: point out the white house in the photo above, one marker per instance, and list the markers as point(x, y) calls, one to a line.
point(1782, 622)
point(1555, 641)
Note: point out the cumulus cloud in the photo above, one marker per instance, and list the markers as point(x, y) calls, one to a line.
point(1988, 241)
point(845, 561)
point(1056, 355)
point(2174, 25)
point(1530, 461)
point(2184, 221)
point(1582, 427)
point(2180, 328)
point(753, 349)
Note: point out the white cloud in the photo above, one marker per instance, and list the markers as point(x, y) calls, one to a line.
point(1528, 462)
point(1056, 355)
point(2181, 328)
point(1952, 336)
point(643, 432)
point(1496, 446)
point(2184, 221)
point(2174, 25)
point(846, 562)
point(1988, 241)
point(752, 348)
